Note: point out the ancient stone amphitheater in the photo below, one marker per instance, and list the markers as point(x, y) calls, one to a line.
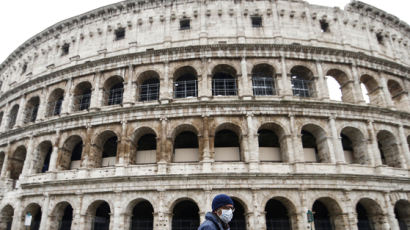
point(135, 115)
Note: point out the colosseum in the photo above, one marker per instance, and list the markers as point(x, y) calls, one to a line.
point(136, 114)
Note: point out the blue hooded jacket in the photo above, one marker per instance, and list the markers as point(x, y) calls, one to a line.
point(211, 223)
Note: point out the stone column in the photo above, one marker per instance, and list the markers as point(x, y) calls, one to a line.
point(44, 212)
point(41, 114)
point(96, 94)
point(162, 163)
point(322, 89)
point(203, 34)
point(259, 220)
point(386, 92)
point(357, 88)
point(5, 165)
point(240, 31)
point(296, 141)
point(86, 156)
point(20, 113)
point(351, 215)
point(77, 220)
point(165, 91)
point(5, 118)
point(204, 88)
point(161, 216)
point(129, 96)
point(337, 142)
point(246, 89)
point(374, 151)
point(124, 146)
point(302, 215)
point(67, 106)
point(28, 162)
point(286, 92)
point(18, 217)
point(252, 144)
point(391, 217)
point(404, 146)
point(54, 154)
point(206, 158)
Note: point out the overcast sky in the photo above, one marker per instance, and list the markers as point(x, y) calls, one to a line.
point(22, 19)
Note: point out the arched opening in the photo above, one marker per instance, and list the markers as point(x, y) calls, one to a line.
point(374, 92)
point(82, 96)
point(354, 146)
point(402, 214)
point(239, 216)
point(62, 217)
point(147, 149)
point(149, 86)
point(186, 82)
point(70, 153)
point(185, 216)
point(314, 142)
point(67, 218)
point(186, 147)
point(365, 94)
point(369, 214)
point(398, 95)
point(106, 144)
point(30, 114)
point(100, 213)
point(327, 215)
point(13, 116)
point(269, 145)
point(263, 83)
point(55, 102)
point(277, 216)
point(16, 162)
point(389, 149)
point(302, 81)
point(2, 157)
point(6, 217)
point(113, 90)
point(340, 87)
point(224, 81)
point(42, 157)
point(227, 145)
point(142, 216)
point(335, 93)
point(33, 210)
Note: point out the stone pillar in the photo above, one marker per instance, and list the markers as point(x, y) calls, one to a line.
point(204, 86)
point(162, 163)
point(161, 216)
point(253, 146)
point(129, 96)
point(67, 105)
point(296, 140)
point(124, 146)
point(41, 114)
point(286, 92)
point(374, 151)
point(54, 154)
point(404, 146)
point(28, 162)
point(165, 91)
point(5, 118)
point(44, 212)
point(351, 216)
point(117, 218)
point(20, 113)
point(96, 94)
point(302, 215)
point(77, 220)
point(240, 31)
point(357, 89)
point(386, 92)
point(259, 220)
point(322, 89)
point(337, 142)
point(18, 217)
point(246, 89)
point(206, 157)
point(4, 166)
point(391, 217)
point(86, 156)
point(203, 34)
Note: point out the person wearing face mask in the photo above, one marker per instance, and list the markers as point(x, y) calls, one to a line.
point(221, 215)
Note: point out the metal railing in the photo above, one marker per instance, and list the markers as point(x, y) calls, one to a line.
point(224, 87)
point(54, 108)
point(263, 86)
point(82, 102)
point(31, 114)
point(302, 88)
point(114, 96)
point(142, 225)
point(149, 92)
point(278, 224)
point(185, 224)
point(183, 89)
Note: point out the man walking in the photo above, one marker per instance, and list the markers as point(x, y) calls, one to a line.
point(221, 215)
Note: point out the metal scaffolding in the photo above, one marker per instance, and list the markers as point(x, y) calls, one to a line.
point(263, 86)
point(183, 89)
point(224, 87)
point(149, 92)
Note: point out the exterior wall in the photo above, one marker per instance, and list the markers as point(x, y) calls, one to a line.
point(221, 34)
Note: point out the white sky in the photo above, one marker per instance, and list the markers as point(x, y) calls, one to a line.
point(22, 19)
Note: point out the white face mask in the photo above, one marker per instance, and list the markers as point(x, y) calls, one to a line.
point(226, 215)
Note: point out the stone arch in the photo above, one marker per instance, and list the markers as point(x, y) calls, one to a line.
point(16, 162)
point(280, 212)
point(389, 149)
point(148, 86)
point(13, 116)
point(272, 143)
point(224, 80)
point(42, 155)
point(239, 220)
point(373, 88)
point(31, 110)
point(62, 216)
point(113, 90)
point(98, 215)
point(145, 146)
point(327, 212)
point(315, 145)
point(105, 148)
point(185, 82)
point(55, 102)
point(345, 84)
point(370, 213)
point(36, 212)
point(402, 213)
point(82, 96)
point(228, 143)
point(70, 154)
point(263, 80)
point(354, 145)
point(141, 214)
point(398, 95)
point(6, 217)
point(302, 81)
point(185, 212)
point(185, 144)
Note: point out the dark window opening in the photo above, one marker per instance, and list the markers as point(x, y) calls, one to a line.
point(77, 151)
point(308, 140)
point(324, 26)
point(185, 24)
point(65, 223)
point(256, 21)
point(46, 164)
point(110, 147)
point(224, 84)
point(147, 142)
point(321, 216)
point(34, 111)
point(238, 221)
point(65, 49)
point(116, 94)
point(226, 138)
point(277, 217)
point(35, 222)
point(149, 90)
point(268, 138)
point(119, 34)
point(102, 217)
point(57, 107)
point(185, 216)
point(363, 222)
point(85, 100)
point(382, 155)
point(346, 143)
point(24, 68)
point(186, 86)
point(142, 216)
point(380, 38)
point(186, 140)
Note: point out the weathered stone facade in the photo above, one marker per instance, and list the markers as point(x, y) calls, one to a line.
point(133, 81)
